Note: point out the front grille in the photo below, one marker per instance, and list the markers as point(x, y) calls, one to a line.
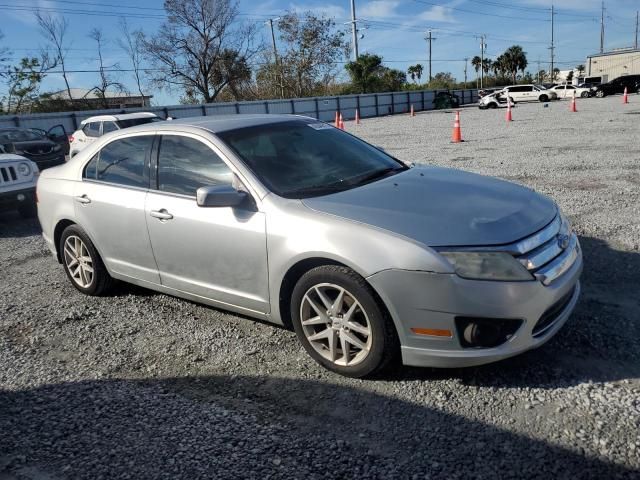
point(8, 175)
point(549, 317)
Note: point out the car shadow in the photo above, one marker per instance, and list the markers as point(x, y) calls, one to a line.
point(599, 343)
point(262, 427)
point(13, 225)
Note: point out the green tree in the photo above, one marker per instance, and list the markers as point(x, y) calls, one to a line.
point(369, 75)
point(580, 69)
point(554, 77)
point(23, 82)
point(442, 80)
point(415, 72)
point(514, 59)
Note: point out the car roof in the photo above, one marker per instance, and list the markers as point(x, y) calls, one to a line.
point(218, 123)
point(116, 117)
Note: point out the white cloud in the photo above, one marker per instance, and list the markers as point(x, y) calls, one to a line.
point(328, 10)
point(379, 8)
point(438, 14)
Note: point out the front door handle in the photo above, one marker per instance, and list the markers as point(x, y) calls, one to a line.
point(161, 214)
point(82, 199)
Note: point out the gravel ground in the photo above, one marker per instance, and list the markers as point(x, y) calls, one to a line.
point(142, 385)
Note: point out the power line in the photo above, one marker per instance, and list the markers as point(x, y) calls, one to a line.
point(475, 12)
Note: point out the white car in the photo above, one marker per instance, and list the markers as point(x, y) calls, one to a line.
point(530, 93)
point(94, 127)
point(18, 177)
point(495, 100)
point(566, 91)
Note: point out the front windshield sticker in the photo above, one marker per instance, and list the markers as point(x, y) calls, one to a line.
point(319, 126)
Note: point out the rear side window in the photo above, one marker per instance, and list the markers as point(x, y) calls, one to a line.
point(123, 162)
point(109, 127)
point(92, 129)
point(186, 164)
point(132, 122)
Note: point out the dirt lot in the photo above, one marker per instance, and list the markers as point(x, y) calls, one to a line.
point(141, 385)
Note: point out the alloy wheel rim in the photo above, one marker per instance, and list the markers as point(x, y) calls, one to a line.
point(335, 324)
point(78, 261)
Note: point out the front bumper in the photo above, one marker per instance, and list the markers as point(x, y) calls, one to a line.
point(15, 198)
point(433, 301)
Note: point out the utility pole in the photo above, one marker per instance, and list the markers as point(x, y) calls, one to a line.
point(539, 70)
point(552, 47)
point(465, 71)
point(602, 30)
point(275, 56)
point(429, 38)
point(354, 30)
point(482, 47)
point(636, 42)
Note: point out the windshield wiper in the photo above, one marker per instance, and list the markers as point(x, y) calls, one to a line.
point(370, 176)
point(317, 189)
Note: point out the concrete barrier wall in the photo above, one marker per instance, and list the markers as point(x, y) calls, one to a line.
point(322, 108)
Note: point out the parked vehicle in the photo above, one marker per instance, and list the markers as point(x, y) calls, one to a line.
point(630, 82)
point(588, 85)
point(18, 176)
point(530, 93)
point(566, 91)
point(47, 149)
point(94, 127)
point(487, 91)
point(367, 257)
point(495, 100)
point(446, 100)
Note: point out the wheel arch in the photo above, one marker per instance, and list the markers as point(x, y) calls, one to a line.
point(57, 235)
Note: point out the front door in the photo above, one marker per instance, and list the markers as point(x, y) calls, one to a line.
point(216, 253)
point(109, 206)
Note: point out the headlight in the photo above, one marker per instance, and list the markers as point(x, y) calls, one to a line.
point(24, 169)
point(487, 266)
point(57, 148)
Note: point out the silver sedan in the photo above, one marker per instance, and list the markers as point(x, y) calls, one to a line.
point(289, 220)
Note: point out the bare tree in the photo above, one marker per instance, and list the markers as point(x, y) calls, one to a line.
point(54, 29)
point(106, 81)
point(202, 49)
point(132, 42)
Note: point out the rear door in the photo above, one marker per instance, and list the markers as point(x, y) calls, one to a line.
point(109, 205)
point(58, 134)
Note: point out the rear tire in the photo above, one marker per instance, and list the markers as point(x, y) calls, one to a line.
point(492, 106)
point(82, 263)
point(543, 98)
point(600, 94)
point(342, 323)
point(584, 94)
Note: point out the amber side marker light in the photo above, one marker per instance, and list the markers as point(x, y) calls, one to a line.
point(434, 332)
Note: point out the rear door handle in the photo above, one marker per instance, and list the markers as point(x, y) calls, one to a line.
point(82, 199)
point(161, 214)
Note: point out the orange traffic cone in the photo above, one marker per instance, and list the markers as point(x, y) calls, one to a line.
point(509, 116)
point(336, 123)
point(413, 113)
point(341, 123)
point(573, 103)
point(456, 137)
point(625, 97)
point(357, 117)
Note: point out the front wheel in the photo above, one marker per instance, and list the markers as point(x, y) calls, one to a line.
point(341, 323)
point(599, 94)
point(544, 98)
point(82, 263)
point(584, 94)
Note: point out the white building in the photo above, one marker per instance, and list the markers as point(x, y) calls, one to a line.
point(613, 64)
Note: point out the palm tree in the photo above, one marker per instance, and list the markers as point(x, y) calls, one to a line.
point(541, 76)
point(487, 65)
point(514, 59)
point(580, 69)
point(554, 76)
point(476, 62)
point(415, 71)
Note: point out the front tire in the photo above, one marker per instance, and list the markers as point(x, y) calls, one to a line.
point(82, 263)
point(584, 94)
point(600, 94)
point(341, 322)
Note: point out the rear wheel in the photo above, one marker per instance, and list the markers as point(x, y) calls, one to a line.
point(599, 94)
point(543, 98)
point(82, 263)
point(584, 94)
point(340, 322)
point(492, 105)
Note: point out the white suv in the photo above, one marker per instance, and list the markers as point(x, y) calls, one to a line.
point(94, 127)
point(18, 177)
point(530, 93)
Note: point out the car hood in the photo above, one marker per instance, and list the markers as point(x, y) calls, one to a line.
point(443, 207)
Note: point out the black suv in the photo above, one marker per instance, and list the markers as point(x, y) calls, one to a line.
point(631, 82)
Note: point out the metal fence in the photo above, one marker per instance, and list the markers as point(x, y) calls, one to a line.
point(322, 108)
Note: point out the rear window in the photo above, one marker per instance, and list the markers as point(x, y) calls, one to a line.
point(132, 122)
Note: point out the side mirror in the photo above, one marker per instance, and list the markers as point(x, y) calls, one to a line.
point(220, 196)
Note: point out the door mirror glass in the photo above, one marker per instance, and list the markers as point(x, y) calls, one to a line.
point(220, 196)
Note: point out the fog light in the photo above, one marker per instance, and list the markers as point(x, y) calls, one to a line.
point(21, 197)
point(485, 332)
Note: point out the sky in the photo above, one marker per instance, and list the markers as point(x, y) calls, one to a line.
point(394, 29)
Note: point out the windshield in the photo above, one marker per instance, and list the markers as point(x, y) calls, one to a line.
point(19, 135)
point(132, 122)
point(300, 159)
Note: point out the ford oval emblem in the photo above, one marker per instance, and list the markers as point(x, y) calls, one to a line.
point(563, 241)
